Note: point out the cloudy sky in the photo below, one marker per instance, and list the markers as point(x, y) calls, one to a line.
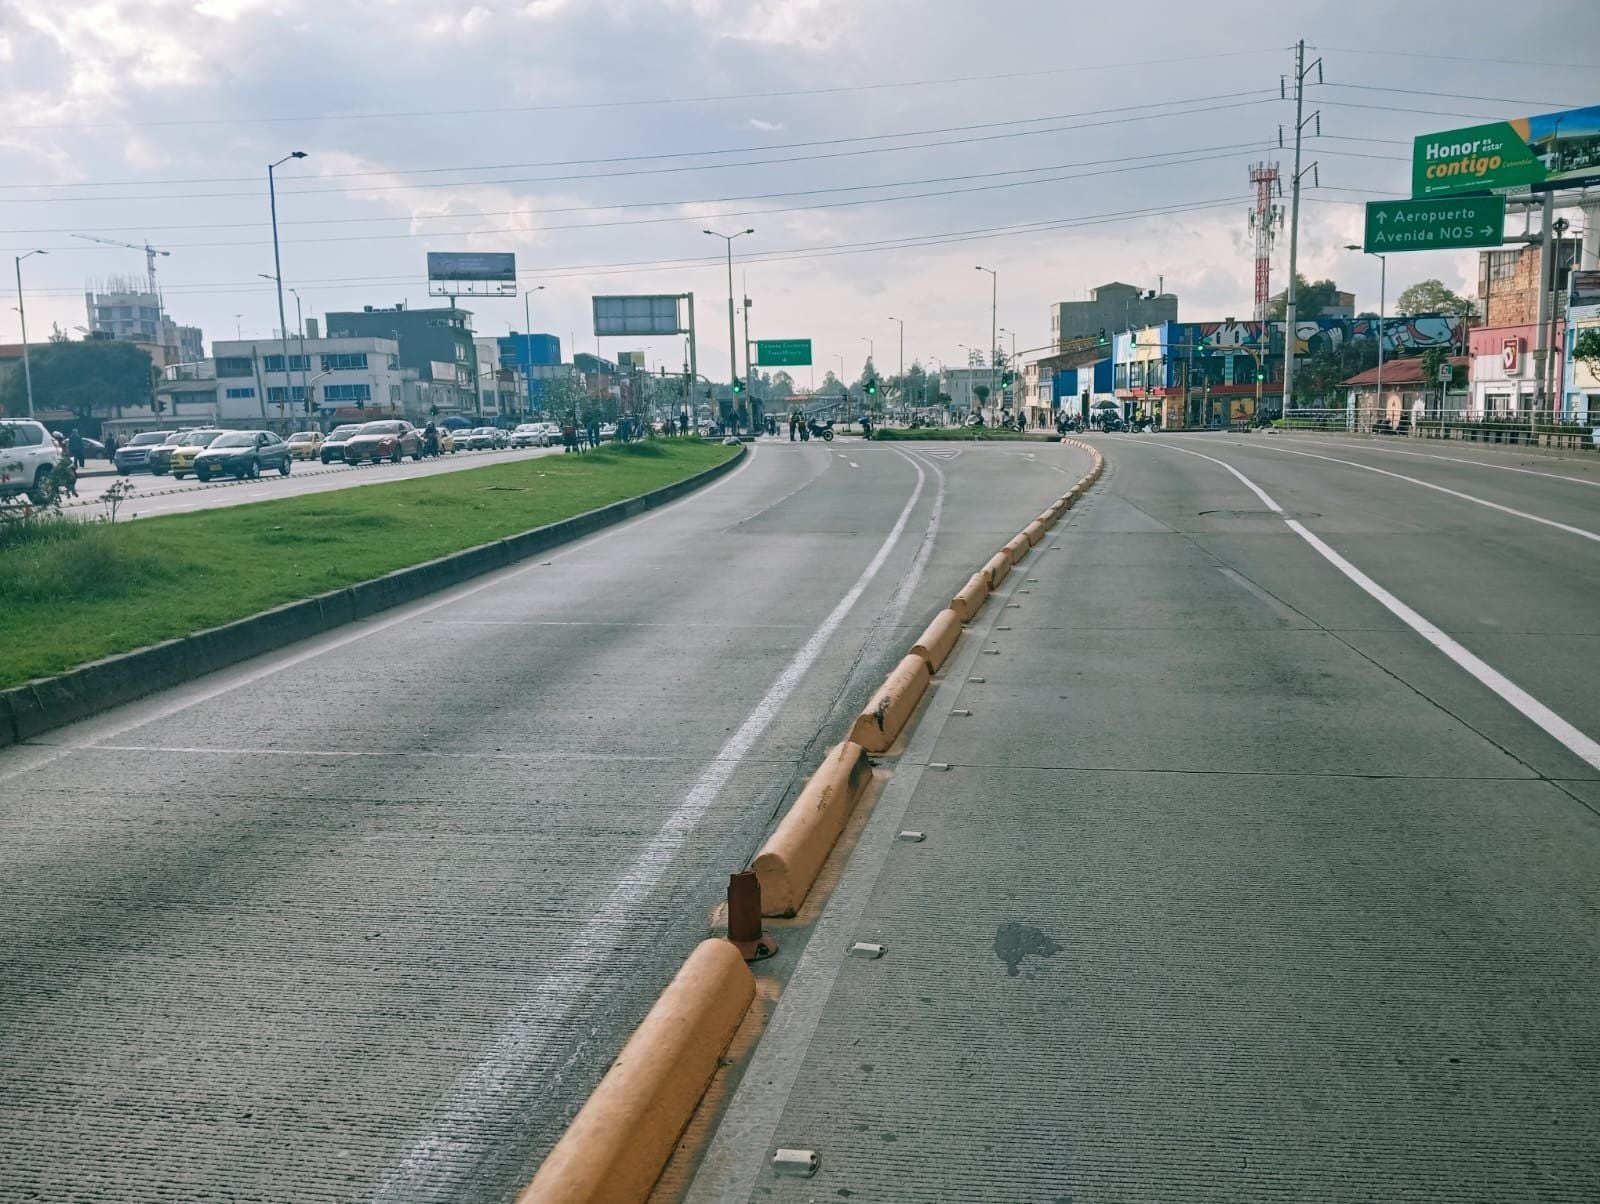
point(880, 148)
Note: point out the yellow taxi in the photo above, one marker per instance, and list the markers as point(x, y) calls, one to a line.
point(186, 449)
point(305, 445)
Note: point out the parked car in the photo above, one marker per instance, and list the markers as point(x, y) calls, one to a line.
point(391, 439)
point(332, 448)
point(160, 460)
point(27, 459)
point(305, 445)
point(180, 458)
point(243, 454)
point(134, 455)
point(93, 449)
point(530, 434)
point(608, 430)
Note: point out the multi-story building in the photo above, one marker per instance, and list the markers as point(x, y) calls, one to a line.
point(1111, 308)
point(331, 378)
point(1508, 282)
point(436, 348)
point(128, 309)
point(1504, 377)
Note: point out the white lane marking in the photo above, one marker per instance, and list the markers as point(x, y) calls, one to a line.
point(431, 1168)
point(1575, 741)
point(1532, 472)
point(853, 464)
point(318, 646)
point(1593, 536)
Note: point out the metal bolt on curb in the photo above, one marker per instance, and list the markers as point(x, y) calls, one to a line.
point(976, 681)
point(867, 950)
point(942, 766)
point(1002, 629)
point(911, 837)
point(991, 652)
point(961, 711)
point(1013, 605)
point(801, 1163)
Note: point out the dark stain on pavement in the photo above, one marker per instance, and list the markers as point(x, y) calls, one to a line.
point(1014, 941)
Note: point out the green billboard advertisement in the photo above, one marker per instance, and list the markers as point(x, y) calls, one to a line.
point(1543, 153)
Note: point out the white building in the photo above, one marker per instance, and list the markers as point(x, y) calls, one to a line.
point(342, 376)
point(960, 384)
point(128, 309)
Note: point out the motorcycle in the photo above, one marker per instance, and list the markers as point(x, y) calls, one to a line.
point(821, 430)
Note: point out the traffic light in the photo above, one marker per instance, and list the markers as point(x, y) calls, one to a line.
point(872, 386)
point(1261, 375)
point(1102, 340)
point(1006, 378)
point(738, 386)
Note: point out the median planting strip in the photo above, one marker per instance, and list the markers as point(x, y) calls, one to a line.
point(621, 1139)
point(117, 611)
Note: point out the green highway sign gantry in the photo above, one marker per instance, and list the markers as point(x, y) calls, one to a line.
point(774, 353)
point(1436, 225)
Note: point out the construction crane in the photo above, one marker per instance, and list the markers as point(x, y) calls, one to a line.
point(150, 253)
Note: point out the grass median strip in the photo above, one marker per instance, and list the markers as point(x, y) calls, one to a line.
point(75, 592)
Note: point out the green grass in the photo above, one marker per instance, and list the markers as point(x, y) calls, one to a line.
point(73, 592)
point(970, 434)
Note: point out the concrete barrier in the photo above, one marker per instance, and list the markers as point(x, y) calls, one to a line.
point(790, 860)
point(935, 644)
point(1034, 532)
point(38, 706)
point(970, 600)
point(997, 568)
point(615, 1148)
point(1018, 547)
point(887, 711)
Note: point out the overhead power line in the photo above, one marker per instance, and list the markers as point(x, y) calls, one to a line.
point(1508, 100)
point(1456, 58)
point(412, 114)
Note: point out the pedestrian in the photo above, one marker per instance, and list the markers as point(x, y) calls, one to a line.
point(594, 432)
point(569, 437)
point(794, 427)
point(111, 448)
point(65, 477)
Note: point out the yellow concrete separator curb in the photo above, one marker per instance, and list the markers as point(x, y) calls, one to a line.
point(1018, 547)
point(997, 568)
point(887, 711)
point(970, 600)
point(615, 1148)
point(789, 862)
point(936, 643)
point(1034, 532)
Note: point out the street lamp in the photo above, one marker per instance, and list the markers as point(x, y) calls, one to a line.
point(27, 369)
point(902, 356)
point(994, 309)
point(1383, 290)
point(527, 341)
point(305, 363)
point(733, 342)
point(277, 260)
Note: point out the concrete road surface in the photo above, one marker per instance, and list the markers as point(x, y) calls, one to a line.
point(368, 918)
point(153, 495)
point(1266, 866)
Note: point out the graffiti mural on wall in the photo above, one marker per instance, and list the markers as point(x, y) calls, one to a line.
point(1402, 335)
point(1411, 334)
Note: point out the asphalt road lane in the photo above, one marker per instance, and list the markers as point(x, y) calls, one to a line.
point(369, 917)
point(153, 496)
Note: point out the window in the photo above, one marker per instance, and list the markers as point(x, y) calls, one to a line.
point(347, 392)
point(280, 395)
point(394, 394)
point(240, 394)
point(234, 365)
point(346, 362)
point(26, 434)
point(297, 363)
point(1120, 380)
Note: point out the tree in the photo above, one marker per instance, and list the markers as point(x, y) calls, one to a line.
point(781, 385)
point(1432, 297)
point(1312, 299)
point(1586, 349)
point(981, 392)
point(97, 378)
point(1319, 374)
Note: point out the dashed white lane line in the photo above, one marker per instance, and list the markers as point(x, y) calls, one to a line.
point(1593, 536)
point(1577, 742)
point(1531, 472)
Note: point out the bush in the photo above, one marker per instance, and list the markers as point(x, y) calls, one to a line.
point(58, 559)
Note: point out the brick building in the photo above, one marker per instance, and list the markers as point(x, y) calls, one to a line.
point(1508, 283)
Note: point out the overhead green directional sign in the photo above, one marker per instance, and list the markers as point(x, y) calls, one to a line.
point(773, 353)
point(1439, 225)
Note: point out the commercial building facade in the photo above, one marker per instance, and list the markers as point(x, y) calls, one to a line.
point(324, 379)
point(1110, 308)
point(436, 348)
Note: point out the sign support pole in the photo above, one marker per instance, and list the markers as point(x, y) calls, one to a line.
point(1541, 352)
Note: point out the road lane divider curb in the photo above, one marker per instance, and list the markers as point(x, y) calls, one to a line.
point(891, 706)
point(789, 862)
point(996, 569)
point(1018, 547)
point(970, 600)
point(1034, 532)
point(615, 1148)
point(935, 644)
point(46, 703)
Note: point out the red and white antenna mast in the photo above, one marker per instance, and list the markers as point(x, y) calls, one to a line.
point(1266, 219)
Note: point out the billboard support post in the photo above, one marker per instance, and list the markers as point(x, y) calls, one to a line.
point(1541, 352)
point(694, 362)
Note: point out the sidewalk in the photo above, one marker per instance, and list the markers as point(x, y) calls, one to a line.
point(1141, 954)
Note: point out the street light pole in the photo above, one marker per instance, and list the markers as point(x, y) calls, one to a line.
point(277, 260)
point(902, 358)
point(994, 316)
point(22, 309)
point(305, 364)
point(733, 338)
point(527, 341)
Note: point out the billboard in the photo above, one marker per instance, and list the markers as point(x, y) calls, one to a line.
point(638, 316)
point(630, 361)
point(1543, 153)
point(472, 274)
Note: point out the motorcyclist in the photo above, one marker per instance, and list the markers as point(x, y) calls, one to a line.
point(430, 439)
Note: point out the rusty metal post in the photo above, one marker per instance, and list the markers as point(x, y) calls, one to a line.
point(744, 917)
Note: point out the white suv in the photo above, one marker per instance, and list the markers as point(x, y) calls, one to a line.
point(27, 458)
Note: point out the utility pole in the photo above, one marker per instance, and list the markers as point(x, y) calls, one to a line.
point(902, 359)
point(277, 261)
point(22, 309)
point(994, 330)
point(300, 326)
point(733, 339)
point(1301, 70)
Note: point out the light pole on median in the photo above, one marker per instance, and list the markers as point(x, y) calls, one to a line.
point(1383, 292)
point(733, 339)
point(22, 310)
point(902, 358)
point(994, 315)
point(277, 260)
point(527, 342)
